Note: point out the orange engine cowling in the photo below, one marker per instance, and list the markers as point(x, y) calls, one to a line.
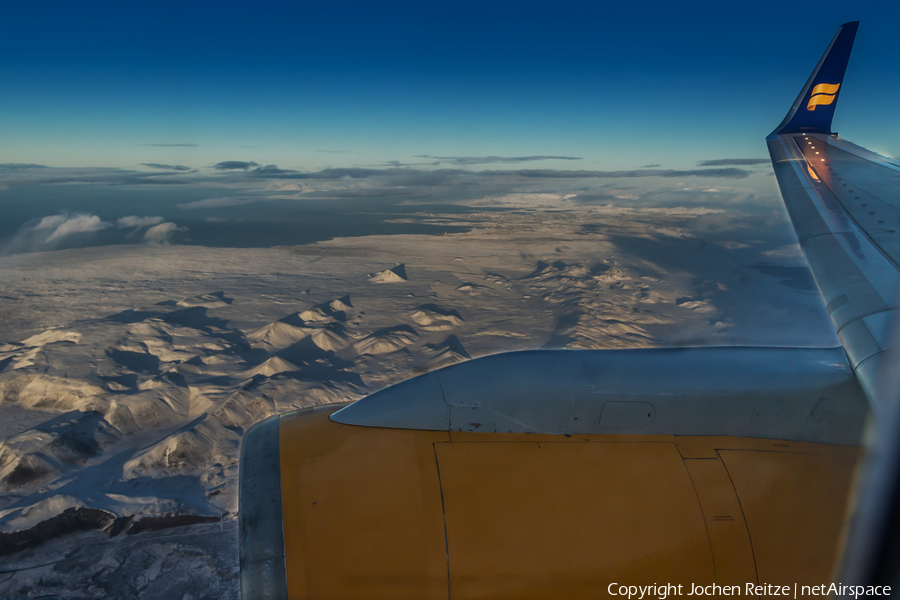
point(390, 512)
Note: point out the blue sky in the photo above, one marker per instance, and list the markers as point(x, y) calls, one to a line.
point(312, 85)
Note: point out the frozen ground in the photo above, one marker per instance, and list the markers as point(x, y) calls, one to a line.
point(128, 373)
point(199, 561)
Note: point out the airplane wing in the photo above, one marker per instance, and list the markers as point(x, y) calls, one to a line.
point(573, 473)
point(844, 203)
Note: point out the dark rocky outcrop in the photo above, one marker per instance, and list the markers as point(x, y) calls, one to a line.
point(72, 520)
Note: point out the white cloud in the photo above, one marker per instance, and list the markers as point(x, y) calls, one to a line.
point(159, 234)
point(135, 221)
point(51, 222)
point(73, 224)
point(53, 231)
point(50, 232)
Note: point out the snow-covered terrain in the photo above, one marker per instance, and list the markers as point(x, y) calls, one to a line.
point(129, 373)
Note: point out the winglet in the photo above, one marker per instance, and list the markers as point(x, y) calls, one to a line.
point(814, 107)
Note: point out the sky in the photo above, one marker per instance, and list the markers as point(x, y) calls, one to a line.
point(222, 103)
point(311, 85)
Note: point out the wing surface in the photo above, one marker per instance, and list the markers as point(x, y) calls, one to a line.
point(844, 203)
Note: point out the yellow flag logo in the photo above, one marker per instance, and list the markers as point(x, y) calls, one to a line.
point(822, 95)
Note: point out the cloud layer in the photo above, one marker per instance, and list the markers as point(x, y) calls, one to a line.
point(483, 160)
point(230, 165)
point(247, 190)
point(80, 229)
point(737, 162)
point(166, 167)
point(239, 172)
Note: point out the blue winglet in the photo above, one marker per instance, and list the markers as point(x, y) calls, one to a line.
point(813, 109)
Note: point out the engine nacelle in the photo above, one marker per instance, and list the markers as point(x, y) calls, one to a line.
point(556, 473)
